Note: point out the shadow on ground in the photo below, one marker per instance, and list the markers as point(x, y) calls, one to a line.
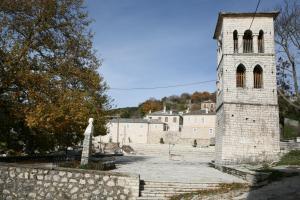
point(130, 159)
point(287, 187)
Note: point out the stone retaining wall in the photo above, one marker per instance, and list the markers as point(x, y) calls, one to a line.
point(24, 183)
point(285, 147)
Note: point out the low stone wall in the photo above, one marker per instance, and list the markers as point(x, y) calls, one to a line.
point(285, 147)
point(190, 141)
point(252, 177)
point(63, 183)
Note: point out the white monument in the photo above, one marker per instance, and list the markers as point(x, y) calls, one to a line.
point(87, 142)
point(247, 123)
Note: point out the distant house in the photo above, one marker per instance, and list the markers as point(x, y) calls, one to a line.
point(172, 119)
point(126, 131)
point(198, 125)
point(208, 105)
point(171, 127)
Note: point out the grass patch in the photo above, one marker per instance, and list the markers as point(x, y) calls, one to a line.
point(291, 158)
point(290, 132)
point(222, 188)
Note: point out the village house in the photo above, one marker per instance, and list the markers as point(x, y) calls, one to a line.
point(200, 126)
point(210, 105)
point(166, 126)
point(126, 131)
point(172, 119)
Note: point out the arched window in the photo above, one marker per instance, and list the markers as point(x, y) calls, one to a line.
point(247, 42)
point(258, 77)
point(240, 76)
point(235, 41)
point(260, 41)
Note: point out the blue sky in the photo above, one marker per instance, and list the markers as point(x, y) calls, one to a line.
point(148, 43)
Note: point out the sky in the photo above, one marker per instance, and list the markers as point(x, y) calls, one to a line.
point(150, 43)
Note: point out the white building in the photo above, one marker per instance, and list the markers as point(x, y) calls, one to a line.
point(126, 131)
point(247, 125)
point(210, 105)
point(200, 126)
point(166, 125)
point(172, 119)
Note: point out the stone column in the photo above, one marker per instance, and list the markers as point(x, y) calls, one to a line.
point(87, 143)
point(240, 42)
point(255, 44)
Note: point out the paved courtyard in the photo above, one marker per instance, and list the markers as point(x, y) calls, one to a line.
point(190, 169)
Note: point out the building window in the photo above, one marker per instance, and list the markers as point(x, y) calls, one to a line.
point(166, 119)
point(150, 117)
point(240, 76)
point(235, 42)
point(258, 76)
point(165, 127)
point(211, 131)
point(159, 118)
point(248, 42)
point(260, 42)
point(174, 119)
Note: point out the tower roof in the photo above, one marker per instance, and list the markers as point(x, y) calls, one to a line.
point(273, 14)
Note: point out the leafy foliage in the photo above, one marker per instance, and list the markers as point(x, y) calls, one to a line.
point(49, 85)
point(287, 38)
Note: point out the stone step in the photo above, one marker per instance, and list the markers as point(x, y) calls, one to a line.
point(177, 185)
point(160, 195)
point(152, 198)
point(167, 189)
point(185, 152)
point(173, 189)
point(180, 148)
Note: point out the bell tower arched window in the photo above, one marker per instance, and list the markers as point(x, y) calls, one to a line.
point(247, 42)
point(258, 77)
point(260, 41)
point(240, 76)
point(235, 41)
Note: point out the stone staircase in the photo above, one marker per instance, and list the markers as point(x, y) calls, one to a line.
point(150, 190)
point(163, 150)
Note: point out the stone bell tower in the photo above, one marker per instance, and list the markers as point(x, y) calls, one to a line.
point(247, 124)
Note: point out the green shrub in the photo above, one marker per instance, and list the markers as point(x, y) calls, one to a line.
point(290, 132)
point(291, 158)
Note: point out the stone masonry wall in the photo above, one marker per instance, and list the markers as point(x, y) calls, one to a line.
point(251, 134)
point(25, 183)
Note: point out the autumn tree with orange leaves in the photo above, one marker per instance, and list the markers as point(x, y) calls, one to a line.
point(151, 105)
point(49, 84)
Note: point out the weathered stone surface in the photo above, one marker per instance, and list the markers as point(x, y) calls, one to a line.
point(247, 123)
point(60, 183)
point(87, 143)
point(73, 190)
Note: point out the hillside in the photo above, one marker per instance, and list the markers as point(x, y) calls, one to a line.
point(174, 102)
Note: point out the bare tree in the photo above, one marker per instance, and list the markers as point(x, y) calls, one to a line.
point(287, 30)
